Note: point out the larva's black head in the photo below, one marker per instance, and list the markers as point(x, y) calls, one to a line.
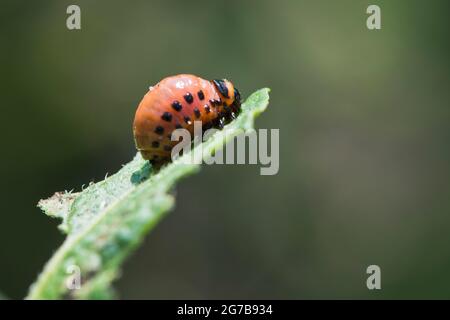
point(223, 87)
point(228, 93)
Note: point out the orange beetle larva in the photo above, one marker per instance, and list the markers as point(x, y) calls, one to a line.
point(176, 102)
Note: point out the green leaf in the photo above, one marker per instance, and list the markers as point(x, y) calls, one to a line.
point(107, 220)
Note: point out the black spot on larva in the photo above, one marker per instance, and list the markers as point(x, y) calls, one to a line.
point(178, 126)
point(167, 116)
point(201, 95)
point(197, 113)
point(221, 123)
point(155, 144)
point(222, 115)
point(222, 119)
point(214, 102)
point(226, 108)
point(176, 105)
point(189, 98)
point(187, 120)
point(159, 130)
point(224, 104)
point(167, 148)
point(207, 125)
point(155, 157)
point(207, 109)
point(237, 95)
point(222, 87)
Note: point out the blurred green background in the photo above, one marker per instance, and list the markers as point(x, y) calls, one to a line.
point(364, 140)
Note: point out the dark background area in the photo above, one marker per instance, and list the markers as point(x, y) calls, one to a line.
point(364, 143)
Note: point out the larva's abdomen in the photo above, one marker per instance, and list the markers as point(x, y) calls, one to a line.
point(176, 102)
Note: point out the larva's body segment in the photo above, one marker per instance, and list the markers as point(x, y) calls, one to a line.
point(176, 102)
